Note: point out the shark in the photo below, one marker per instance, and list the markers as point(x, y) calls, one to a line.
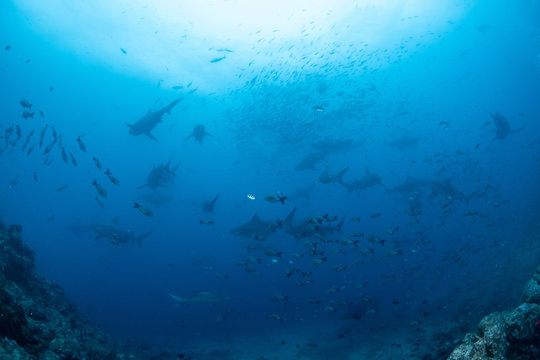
point(199, 132)
point(412, 187)
point(161, 176)
point(199, 297)
point(369, 179)
point(308, 229)
point(256, 228)
point(328, 177)
point(311, 160)
point(208, 206)
point(502, 126)
point(149, 121)
point(117, 235)
point(404, 142)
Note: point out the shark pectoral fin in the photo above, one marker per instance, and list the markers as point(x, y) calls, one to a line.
point(151, 136)
point(188, 137)
point(129, 125)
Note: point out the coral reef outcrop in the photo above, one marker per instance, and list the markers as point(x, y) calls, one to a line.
point(37, 321)
point(507, 335)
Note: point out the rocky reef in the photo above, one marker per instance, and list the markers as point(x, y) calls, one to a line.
point(37, 321)
point(507, 335)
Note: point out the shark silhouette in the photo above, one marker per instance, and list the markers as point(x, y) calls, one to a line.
point(369, 179)
point(198, 133)
point(502, 126)
point(307, 229)
point(117, 235)
point(208, 206)
point(149, 121)
point(161, 176)
point(256, 228)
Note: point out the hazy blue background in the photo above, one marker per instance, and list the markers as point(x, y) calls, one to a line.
point(381, 71)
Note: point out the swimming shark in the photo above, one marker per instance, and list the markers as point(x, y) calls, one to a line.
point(117, 235)
point(328, 177)
point(199, 132)
point(208, 206)
point(445, 188)
point(161, 176)
point(308, 229)
point(149, 121)
point(404, 142)
point(311, 160)
point(502, 126)
point(199, 297)
point(369, 179)
point(256, 228)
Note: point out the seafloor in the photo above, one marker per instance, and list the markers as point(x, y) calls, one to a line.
point(37, 321)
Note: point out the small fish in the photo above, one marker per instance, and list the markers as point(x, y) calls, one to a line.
point(81, 144)
point(27, 114)
point(31, 148)
point(64, 155)
point(35, 176)
point(123, 51)
point(99, 202)
point(98, 163)
point(177, 87)
point(43, 135)
point(55, 135)
point(73, 161)
point(224, 50)
point(27, 140)
point(277, 317)
point(375, 240)
point(25, 104)
point(218, 59)
point(112, 178)
point(144, 210)
point(275, 197)
point(207, 222)
point(40, 112)
point(100, 189)
point(221, 276)
point(51, 218)
point(14, 181)
point(18, 133)
point(48, 149)
point(329, 219)
point(63, 187)
point(318, 108)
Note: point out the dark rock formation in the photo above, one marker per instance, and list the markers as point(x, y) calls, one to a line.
point(508, 335)
point(36, 319)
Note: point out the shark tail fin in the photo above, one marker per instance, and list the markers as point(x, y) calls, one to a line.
point(288, 220)
point(142, 237)
point(341, 173)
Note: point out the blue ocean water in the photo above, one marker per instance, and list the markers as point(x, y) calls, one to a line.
point(414, 124)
